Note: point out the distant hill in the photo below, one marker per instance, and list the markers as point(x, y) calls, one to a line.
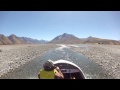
point(66, 39)
point(35, 41)
point(71, 39)
point(94, 40)
point(13, 39)
point(4, 40)
point(61, 39)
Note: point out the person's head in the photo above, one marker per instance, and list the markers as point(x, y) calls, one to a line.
point(49, 65)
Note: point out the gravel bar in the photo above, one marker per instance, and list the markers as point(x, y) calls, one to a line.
point(107, 56)
point(13, 56)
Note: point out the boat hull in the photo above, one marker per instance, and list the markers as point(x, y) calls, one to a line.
point(70, 69)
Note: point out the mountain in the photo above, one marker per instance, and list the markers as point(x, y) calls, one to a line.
point(15, 39)
point(66, 39)
point(71, 39)
point(94, 40)
point(61, 39)
point(33, 41)
point(4, 40)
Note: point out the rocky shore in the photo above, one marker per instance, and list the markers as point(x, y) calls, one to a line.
point(107, 56)
point(12, 56)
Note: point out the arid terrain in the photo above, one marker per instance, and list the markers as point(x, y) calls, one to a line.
point(90, 41)
point(12, 56)
point(16, 51)
point(107, 56)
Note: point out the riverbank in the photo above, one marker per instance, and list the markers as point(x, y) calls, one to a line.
point(13, 56)
point(107, 56)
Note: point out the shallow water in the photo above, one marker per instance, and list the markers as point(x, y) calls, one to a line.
point(31, 69)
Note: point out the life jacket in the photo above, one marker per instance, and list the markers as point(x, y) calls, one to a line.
point(47, 74)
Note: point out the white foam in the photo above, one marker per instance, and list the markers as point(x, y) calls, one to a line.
point(62, 47)
point(88, 76)
point(73, 45)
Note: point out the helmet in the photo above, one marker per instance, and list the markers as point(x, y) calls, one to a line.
point(48, 65)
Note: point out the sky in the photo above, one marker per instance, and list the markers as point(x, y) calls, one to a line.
point(49, 24)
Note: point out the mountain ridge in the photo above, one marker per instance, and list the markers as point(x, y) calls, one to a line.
point(13, 39)
point(60, 39)
point(71, 39)
point(65, 39)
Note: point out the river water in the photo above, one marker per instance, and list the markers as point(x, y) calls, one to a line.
point(31, 69)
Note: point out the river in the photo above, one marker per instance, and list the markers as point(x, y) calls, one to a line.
point(31, 69)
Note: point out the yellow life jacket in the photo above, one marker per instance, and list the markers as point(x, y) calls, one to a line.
point(47, 74)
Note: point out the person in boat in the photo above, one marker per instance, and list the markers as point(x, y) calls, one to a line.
point(50, 71)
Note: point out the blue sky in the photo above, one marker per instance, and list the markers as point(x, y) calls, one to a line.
point(48, 24)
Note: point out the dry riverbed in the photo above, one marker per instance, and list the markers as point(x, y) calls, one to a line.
point(12, 56)
point(107, 56)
